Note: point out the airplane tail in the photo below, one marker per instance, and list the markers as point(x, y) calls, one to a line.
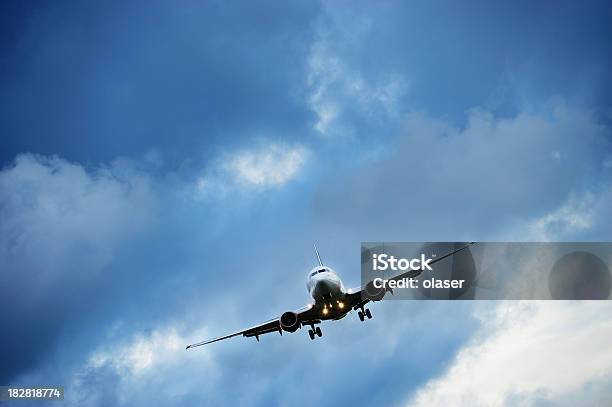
point(318, 257)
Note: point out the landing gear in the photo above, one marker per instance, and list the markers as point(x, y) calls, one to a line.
point(364, 313)
point(315, 332)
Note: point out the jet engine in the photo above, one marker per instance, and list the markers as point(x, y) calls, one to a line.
point(373, 293)
point(289, 321)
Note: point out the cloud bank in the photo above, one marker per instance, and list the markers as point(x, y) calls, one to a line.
point(61, 226)
point(531, 353)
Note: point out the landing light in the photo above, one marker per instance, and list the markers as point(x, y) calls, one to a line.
point(325, 311)
point(341, 304)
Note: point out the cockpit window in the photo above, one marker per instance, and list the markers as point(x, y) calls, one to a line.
point(312, 273)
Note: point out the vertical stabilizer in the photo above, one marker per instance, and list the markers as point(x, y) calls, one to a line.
point(318, 257)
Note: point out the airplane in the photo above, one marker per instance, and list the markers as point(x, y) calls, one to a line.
point(331, 302)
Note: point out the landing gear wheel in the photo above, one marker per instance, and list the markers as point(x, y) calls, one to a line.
point(318, 332)
point(368, 313)
point(360, 315)
point(311, 333)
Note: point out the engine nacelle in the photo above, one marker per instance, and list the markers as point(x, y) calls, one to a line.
point(289, 321)
point(373, 293)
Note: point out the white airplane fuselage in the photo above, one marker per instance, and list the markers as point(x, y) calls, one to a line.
point(328, 292)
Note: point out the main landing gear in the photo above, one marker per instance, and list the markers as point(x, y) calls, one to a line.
point(312, 332)
point(364, 313)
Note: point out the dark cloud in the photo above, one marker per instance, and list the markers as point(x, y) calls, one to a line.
point(61, 229)
point(441, 181)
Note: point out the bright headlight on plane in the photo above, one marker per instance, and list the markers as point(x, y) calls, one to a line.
point(341, 304)
point(325, 311)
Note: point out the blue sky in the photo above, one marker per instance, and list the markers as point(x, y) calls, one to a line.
point(166, 168)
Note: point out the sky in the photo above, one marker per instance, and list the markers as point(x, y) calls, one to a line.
point(167, 166)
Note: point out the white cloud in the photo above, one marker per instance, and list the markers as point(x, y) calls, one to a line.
point(528, 352)
point(57, 216)
point(145, 361)
point(270, 166)
point(574, 216)
point(336, 86)
point(143, 353)
point(584, 217)
point(273, 165)
point(140, 355)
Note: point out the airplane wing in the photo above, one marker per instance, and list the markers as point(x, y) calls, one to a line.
point(305, 314)
point(356, 299)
